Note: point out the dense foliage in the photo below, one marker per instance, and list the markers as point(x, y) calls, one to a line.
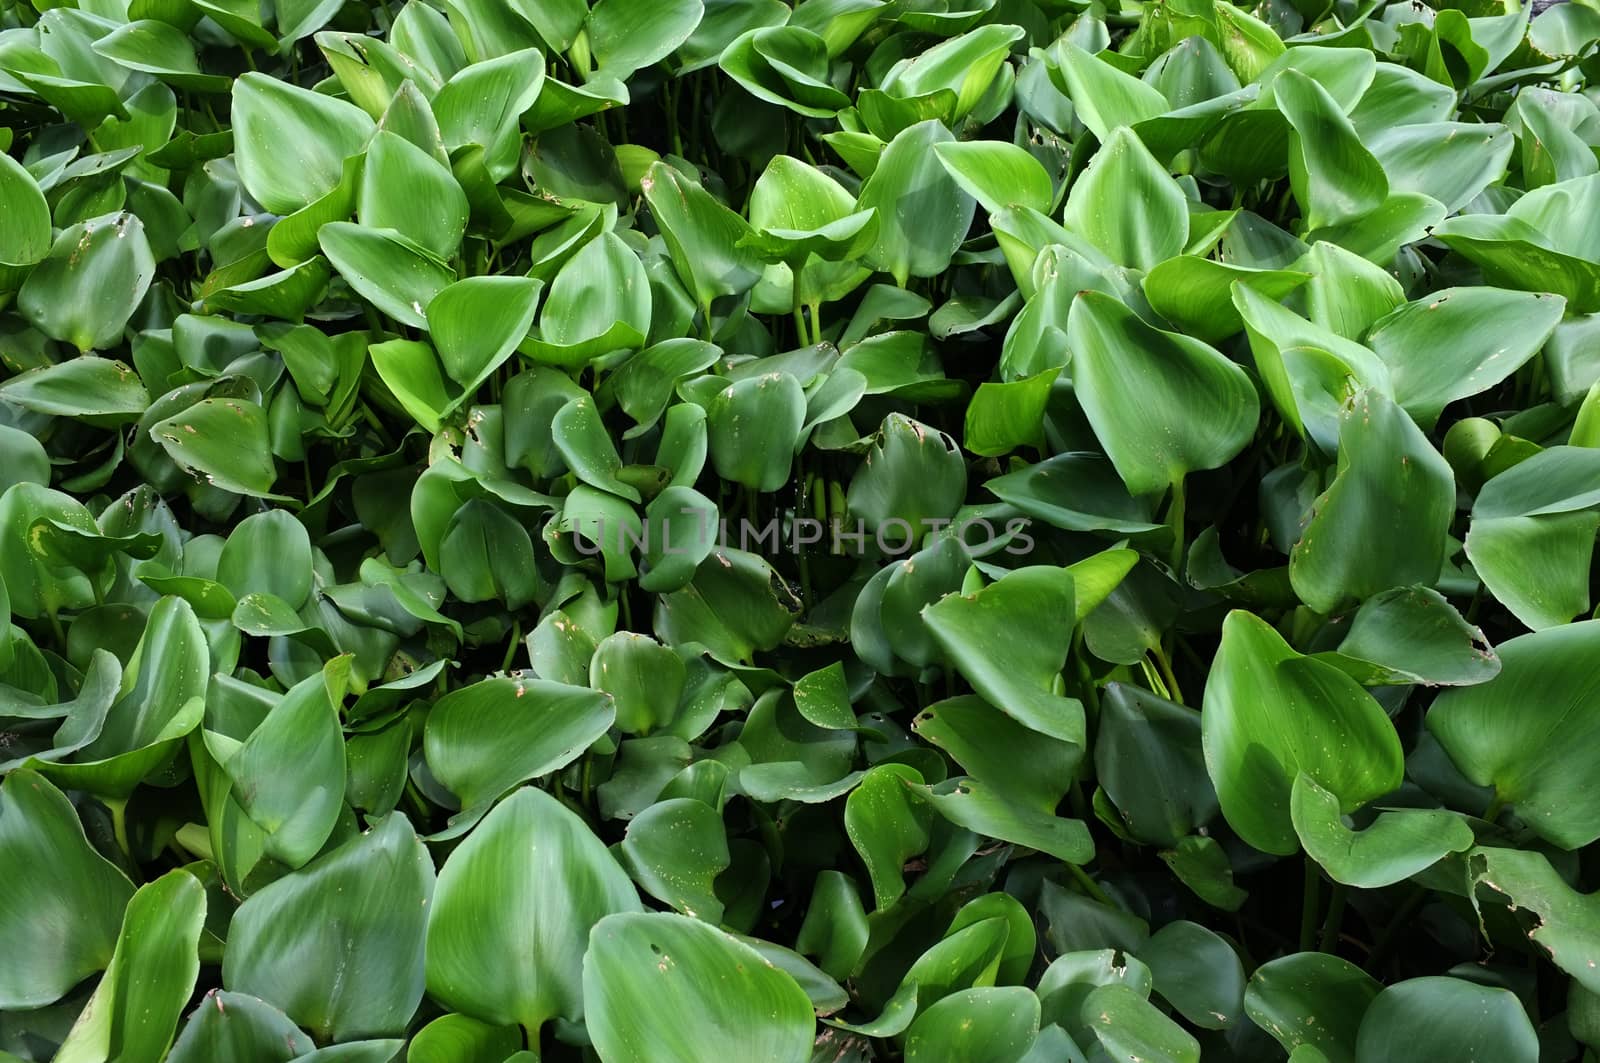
point(964, 531)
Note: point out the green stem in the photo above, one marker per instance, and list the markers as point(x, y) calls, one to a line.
point(1335, 918)
point(694, 117)
point(1090, 886)
point(1167, 675)
point(1496, 806)
point(671, 99)
point(815, 310)
point(1153, 680)
point(1175, 517)
point(1308, 906)
point(511, 645)
point(56, 630)
point(799, 325)
point(119, 824)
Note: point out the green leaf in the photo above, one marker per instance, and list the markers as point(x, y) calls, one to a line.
point(38, 582)
point(626, 35)
point(1162, 404)
point(1197, 972)
point(912, 480)
point(411, 372)
point(1010, 640)
point(983, 810)
point(397, 276)
point(224, 442)
point(964, 66)
point(643, 678)
point(482, 103)
point(675, 849)
point(290, 142)
point(1532, 536)
point(1528, 730)
point(1103, 97)
point(1347, 294)
point(135, 1009)
point(61, 905)
point(1196, 294)
point(1002, 417)
point(87, 386)
point(1446, 1018)
point(338, 945)
point(787, 66)
point(923, 214)
point(239, 1026)
point(1271, 714)
point(25, 232)
point(288, 775)
point(1127, 205)
point(703, 236)
point(1383, 521)
point(1566, 920)
point(459, 1039)
point(1335, 178)
point(599, 302)
point(1450, 161)
point(1395, 846)
point(1459, 342)
point(983, 1025)
point(1128, 1025)
point(581, 437)
point(1148, 758)
point(1019, 763)
point(1308, 371)
point(485, 738)
point(1077, 491)
point(888, 824)
point(268, 553)
point(161, 700)
point(644, 980)
point(87, 288)
point(1311, 998)
point(406, 190)
point(1202, 866)
point(1413, 635)
point(512, 913)
point(477, 323)
point(753, 426)
point(682, 526)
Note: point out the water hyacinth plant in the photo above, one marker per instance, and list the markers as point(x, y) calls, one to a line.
point(832, 531)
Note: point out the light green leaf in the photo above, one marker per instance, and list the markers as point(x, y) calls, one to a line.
point(485, 738)
point(290, 142)
point(1395, 846)
point(338, 945)
point(644, 980)
point(1270, 714)
point(512, 913)
point(1528, 731)
point(61, 903)
point(1127, 205)
point(1162, 404)
point(1010, 640)
point(923, 214)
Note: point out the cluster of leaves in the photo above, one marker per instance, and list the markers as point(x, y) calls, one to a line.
point(1161, 448)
